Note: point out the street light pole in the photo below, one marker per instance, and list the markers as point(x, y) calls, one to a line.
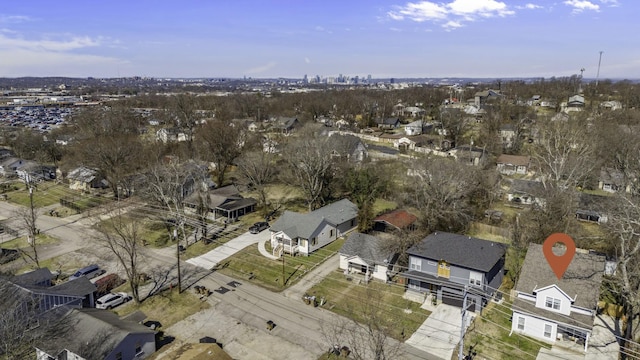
point(175, 236)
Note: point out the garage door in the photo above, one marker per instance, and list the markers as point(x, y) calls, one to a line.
point(452, 299)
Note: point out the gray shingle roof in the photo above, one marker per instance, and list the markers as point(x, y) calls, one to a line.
point(95, 332)
point(303, 225)
point(369, 248)
point(582, 278)
point(459, 250)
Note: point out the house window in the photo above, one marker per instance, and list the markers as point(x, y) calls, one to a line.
point(414, 284)
point(331, 233)
point(138, 348)
point(475, 278)
point(547, 330)
point(314, 241)
point(520, 323)
point(416, 264)
point(119, 355)
point(353, 222)
point(552, 303)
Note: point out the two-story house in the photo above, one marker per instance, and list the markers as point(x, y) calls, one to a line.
point(296, 233)
point(443, 264)
point(552, 309)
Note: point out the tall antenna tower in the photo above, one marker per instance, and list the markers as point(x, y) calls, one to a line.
point(598, 73)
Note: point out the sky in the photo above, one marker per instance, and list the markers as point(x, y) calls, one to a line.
point(291, 38)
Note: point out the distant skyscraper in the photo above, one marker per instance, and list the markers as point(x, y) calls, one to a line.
point(369, 78)
point(393, 81)
point(305, 80)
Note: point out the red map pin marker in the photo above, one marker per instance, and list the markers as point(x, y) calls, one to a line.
point(559, 263)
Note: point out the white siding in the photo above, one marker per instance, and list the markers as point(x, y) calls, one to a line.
point(324, 235)
point(534, 327)
point(554, 293)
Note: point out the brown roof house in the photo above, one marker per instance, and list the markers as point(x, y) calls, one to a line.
point(513, 164)
point(557, 310)
point(395, 220)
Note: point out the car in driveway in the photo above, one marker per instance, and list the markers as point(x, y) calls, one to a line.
point(258, 227)
point(112, 300)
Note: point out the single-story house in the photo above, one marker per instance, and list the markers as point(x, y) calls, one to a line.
point(470, 155)
point(296, 233)
point(395, 220)
point(513, 164)
point(612, 180)
point(556, 309)
point(348, 147)
point(287, 125)
point(526, 192)
point(166, 135)
point(366, 255)
point(85, 179)
point(592, 208)
point(440, 266)
point(98, 334)
point(225, 201)
point(388, 123)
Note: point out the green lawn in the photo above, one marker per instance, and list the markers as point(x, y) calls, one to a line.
point(347, 298)
point(47, 193)
point(250, 265)
point(167, 307)
point(381, 206)
point(21, 242)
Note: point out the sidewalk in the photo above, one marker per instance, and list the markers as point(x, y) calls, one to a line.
point(219, 254)
point(312, 278)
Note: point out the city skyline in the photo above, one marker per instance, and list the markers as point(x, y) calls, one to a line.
point(271, 39)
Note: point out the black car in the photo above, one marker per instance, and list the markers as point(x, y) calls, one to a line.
point(258, 227)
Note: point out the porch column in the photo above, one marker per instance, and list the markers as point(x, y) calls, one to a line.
point(586, 342)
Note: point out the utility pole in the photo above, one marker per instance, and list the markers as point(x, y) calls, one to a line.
point(175, 236)
point(283, 256)
point(598, 73)
point(464, 320)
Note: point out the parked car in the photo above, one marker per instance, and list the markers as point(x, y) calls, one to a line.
point(107, 283)
point(112, 300)
point(258, 227)
point(89, 272)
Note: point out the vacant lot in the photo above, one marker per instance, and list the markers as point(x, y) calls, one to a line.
point(45, 194)
point(352, 299)
point(167, 307)
point(249, 264)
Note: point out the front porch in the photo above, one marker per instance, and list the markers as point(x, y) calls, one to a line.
point(285, 246)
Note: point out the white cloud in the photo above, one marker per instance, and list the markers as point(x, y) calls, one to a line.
point(70, 43)
point(582, 5)
point(262, 68)
point(27, 62)
point(14, 19)
point(307, 60)
point(395, 29)
point(452, 14)
point(529, 6)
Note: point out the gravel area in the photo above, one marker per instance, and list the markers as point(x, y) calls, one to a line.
point(239, 340)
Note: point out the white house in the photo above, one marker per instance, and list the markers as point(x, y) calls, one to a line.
point(296, 233)
point(513, 164)
point(365, 254)
point(415, 128)
point(552, 309)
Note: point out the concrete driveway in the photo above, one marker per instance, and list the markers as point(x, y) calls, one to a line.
point(440, 333)
point(217, 255)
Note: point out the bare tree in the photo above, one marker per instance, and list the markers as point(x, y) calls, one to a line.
point(624, 224)
point(257, 169)
point(168, 184)
point(29, 216)
point(108, 139)
point(446, 194)
point(122, 236)
point(220, 143)
point(365, 185)
point(563, 154)
point(309, 160)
